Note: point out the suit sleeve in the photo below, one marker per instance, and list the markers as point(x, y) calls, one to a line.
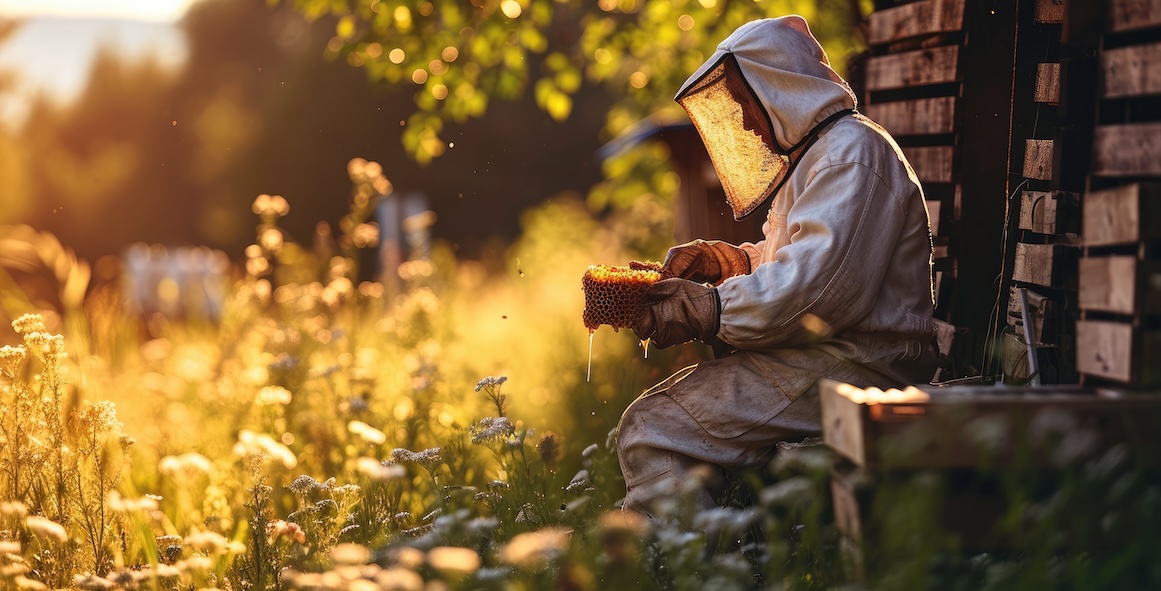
point(843, 228)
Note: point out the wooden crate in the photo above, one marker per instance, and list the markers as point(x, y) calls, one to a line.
point(1127, 150)
point(918, 117)
point(1047, 84)
point(1131, 71)
point(1048, 212)
point(934, 65)
point(926, 17)
point(1048, 265)
point(1124, 215)
point(1038, 159)
point(1120, 284)
point(932, 164)
point(1118, 351)
point(969, 427)
point(1127, 15)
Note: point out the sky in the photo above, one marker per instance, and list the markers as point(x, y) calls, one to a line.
point(55, 45)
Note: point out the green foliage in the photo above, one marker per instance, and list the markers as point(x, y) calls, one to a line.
point(462, 54)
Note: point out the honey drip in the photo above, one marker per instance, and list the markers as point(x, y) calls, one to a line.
point(589, 374)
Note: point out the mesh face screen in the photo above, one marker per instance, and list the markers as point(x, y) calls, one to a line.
point(737, 135)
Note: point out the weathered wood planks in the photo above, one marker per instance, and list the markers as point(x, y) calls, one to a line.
point(912, 20)
point(1038, 159)
point(1047, 83)
point(1127, 150)
point(1125, 15)
point(1131, 71)
point(917, 117)
point(1120, 215)
point(922, 67)
point(932, 164)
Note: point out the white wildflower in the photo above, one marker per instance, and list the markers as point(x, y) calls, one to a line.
point(534, 549)
point(453, 559)
point(46, 528)
point(273, 395)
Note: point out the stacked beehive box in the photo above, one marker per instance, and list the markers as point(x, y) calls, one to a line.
point(912, 88)
point(1119, 329)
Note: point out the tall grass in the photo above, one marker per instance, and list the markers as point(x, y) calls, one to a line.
point(432, 433)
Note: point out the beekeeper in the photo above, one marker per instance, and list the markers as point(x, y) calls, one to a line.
point(839, 287)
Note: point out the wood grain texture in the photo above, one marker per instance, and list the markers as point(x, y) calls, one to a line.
point(1127, 150)
point(1131, 71)
point(1047, 83)
point(1049, 11)
point(1105, 349)
point(1038, 159)
point(917, 117)
point(912, 20)
point(1108, 284)
point(935, 65)
point(932, 164)
point(1125, 15)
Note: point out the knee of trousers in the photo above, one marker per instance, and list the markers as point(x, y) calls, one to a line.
point(641, 435)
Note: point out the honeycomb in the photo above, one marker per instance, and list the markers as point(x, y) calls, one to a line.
point(616, 295)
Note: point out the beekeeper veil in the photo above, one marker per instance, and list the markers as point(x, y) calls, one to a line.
point(767, 91)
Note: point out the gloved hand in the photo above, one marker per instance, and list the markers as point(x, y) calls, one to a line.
point(706, 261)
point(679, 311)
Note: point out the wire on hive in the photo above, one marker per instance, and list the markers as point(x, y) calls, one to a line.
point(615, 295)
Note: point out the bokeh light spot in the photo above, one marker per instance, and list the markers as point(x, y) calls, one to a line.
point(419, 76)
point(511, 8)
point(397, 56)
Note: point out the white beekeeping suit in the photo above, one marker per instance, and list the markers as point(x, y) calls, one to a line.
point(839, 287)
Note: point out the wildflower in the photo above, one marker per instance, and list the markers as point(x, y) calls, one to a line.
point(272, 395)
point(490, 382)
point(379, 471)
point(284, 529)
point(91, 582)
point(797, 490)
point(579, 481)
point(270, 205)
point(29, 323)
point(367, 432)
point(304, 485)
point(453, 559)
point(366, 235)
point(120, 504)
point(407, 557)
point(589, 451)
point(399, 579)
point(101, 417)
point(28, 584)
point(628, 522)
point(261, 445)
point(350, 554)
point(207, 541)
point(11, 358)
point(490, 428)
point(427, 458)
point(549, 449)
point(46, 528)
point(498, 484)
point(13, 509)
point(49, 346)
point(187, 464)
point(534, 549)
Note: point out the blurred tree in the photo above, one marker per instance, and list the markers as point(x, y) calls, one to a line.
point(15, 201)
point(461, 54)
point(176, 157)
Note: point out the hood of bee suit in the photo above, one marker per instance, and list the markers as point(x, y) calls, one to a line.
point(789, 76)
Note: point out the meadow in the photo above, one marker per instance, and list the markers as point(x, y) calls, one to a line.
point(435, 433)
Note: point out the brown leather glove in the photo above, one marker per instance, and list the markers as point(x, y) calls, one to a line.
point(706, 261)
point(679, 311)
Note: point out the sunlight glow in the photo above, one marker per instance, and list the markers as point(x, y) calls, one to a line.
point(143, 10)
